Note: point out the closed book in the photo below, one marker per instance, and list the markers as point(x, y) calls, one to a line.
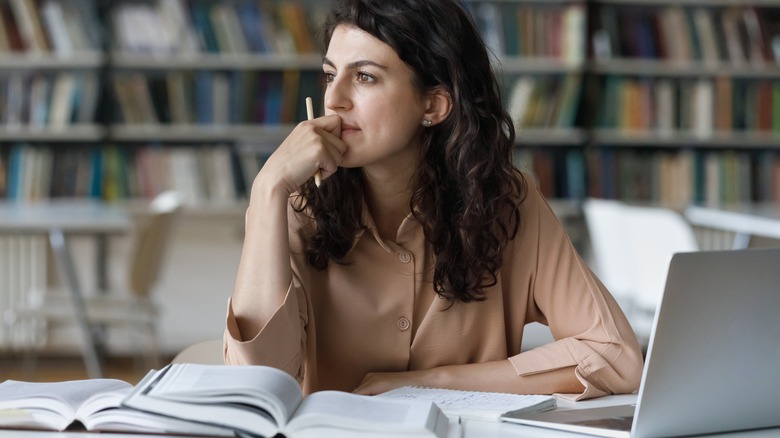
point(5, 43)
point(62, 99)
point(30, 28)
point(705, 31)
point(293, 17)
point(54, 19)
point(13, 34)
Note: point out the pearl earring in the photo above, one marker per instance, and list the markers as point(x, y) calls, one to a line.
point(427, 123)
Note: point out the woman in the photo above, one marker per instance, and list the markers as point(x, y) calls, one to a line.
point(424, 253)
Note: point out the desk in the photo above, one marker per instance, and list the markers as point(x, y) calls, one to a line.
point(469, 429)
point(58, 220)
point(744, 220)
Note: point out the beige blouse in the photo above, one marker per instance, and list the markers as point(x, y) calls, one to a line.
point(378, 312)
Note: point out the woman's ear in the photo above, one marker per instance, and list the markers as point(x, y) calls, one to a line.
point(439, 106)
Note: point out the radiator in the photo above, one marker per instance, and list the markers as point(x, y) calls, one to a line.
point(23, 261)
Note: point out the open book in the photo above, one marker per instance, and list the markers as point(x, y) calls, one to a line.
point(93, 405)
point(477, 405)
point(265, 401)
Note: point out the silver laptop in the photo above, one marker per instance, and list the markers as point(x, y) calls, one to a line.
point(713, 364)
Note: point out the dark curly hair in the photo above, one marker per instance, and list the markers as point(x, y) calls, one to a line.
point(466, 192)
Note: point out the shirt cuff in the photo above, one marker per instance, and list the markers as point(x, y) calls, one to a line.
point(276, 345)
point(591, 369)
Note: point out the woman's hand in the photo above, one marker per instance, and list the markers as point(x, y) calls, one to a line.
point(313, 145)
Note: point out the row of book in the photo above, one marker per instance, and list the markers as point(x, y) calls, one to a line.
point(214, 97)
point(193, 27)
point(42, 99)
point(220, 172)
point(672, 177)
point(199, 173)
point(251, 26)
point(202, 173)
point(62, 27)
point(737, 35)
point(703, 106)
point(554, 30)
point(545, 101)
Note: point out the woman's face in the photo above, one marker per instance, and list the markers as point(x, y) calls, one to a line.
point(372, 90)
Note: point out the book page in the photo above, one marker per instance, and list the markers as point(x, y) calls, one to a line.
point(473, 404)
point(102, 401)
point(343, 411)
point(43, 399)
point(268, 388)
point(63, 397)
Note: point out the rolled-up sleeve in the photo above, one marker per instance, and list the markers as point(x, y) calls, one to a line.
point(591, 332)
point(279, 344)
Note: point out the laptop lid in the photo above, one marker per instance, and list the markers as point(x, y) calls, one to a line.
point(712, 363)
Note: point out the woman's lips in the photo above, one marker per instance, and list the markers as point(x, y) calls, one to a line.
point(348, 129)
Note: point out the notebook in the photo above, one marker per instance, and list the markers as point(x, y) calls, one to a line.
point(712, 362)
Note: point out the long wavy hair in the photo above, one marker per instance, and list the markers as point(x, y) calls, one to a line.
point(466, 191)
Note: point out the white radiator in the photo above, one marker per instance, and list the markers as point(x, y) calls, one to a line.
point(22, 279)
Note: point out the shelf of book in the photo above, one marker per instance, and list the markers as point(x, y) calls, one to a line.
point(681, 69)
point(666, 139)
point(49, 134)
point(196, 79)
point(687, 98)
point(216, 61)
point(199, 133)
point(551, 136)
point(538, 65)
point(709, 3)
point(584, 81)
point(35, 61)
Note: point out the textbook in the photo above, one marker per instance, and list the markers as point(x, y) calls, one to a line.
point(93, 405)
point(477, 405)
point(263, 401)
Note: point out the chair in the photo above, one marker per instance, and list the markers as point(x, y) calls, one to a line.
point(205, 352)
point(632, 247)
point(132, 307)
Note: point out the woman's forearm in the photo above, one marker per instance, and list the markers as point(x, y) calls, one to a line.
point(264, 272)
point(498, 376)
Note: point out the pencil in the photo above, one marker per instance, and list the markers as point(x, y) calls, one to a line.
point(310, 115)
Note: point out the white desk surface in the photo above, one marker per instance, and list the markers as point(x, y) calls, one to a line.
point(70, 217)
point(469, 429)
point(751, 219)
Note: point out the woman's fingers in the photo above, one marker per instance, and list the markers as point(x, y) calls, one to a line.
point(313, 145)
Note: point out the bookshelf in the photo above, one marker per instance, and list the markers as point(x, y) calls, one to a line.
point(687, 98)
point(643, 100)
point(540, 55)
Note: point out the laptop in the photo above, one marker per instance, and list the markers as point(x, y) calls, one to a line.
point(713, 362)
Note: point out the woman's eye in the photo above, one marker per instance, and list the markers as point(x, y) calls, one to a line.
point(329, 77)
point(364, 77)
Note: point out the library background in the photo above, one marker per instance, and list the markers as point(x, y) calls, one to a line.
point(116, 101)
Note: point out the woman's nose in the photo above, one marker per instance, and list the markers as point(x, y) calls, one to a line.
point(337, 95)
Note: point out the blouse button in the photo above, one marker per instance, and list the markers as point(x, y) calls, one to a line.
point(405, 257)
point(403, 324)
